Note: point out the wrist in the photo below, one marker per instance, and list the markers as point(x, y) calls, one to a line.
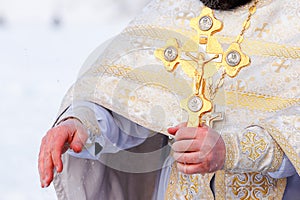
point(68, 120)
point(82, 116)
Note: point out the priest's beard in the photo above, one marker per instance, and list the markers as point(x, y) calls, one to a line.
point(224, 4)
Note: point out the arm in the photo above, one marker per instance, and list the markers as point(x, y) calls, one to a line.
point(276, 145)
point(115, 132)
point(85, 122)
point(251, 150)
point(68, 134)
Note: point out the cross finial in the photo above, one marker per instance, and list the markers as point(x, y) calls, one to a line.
point(212, 117)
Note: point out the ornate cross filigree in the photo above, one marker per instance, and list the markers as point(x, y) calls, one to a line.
point(249, 186)
point(253, 146)
point(262, 29)
point(280, 66)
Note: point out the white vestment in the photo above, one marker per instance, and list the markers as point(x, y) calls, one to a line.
point(260, 106)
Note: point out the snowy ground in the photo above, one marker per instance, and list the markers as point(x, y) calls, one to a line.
point(42, 47)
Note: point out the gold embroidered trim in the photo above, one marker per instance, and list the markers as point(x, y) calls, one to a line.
point(253, 145)
point(194, 186)
point(278, 157)
point(230, 152)
point(181, 87)
point(252, 184)
point(143, 76)
point(285, 146)
point(250, 47)
point(248, 184)
point(220, 186)
point(281, 185)
point(171, 189)
point(258, 101)
point(178, 187)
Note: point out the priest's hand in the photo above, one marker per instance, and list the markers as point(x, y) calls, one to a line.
point(197, 150)
point(68, 134)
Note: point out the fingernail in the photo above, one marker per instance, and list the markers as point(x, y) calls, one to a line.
point(45, 184)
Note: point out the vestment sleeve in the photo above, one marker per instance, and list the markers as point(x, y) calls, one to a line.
point(252, 150)
point(284, 127)
point(271, 146)
point(285, 170)
point(108, 132)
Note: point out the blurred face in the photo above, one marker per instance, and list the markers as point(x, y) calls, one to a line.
point(224, 4)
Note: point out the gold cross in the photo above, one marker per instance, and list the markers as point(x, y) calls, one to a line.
point(262, 29)
point(195, 116)
point(206, 25)
point(280, 65)
point(252, 145)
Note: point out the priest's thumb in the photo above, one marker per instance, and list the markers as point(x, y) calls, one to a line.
point(173, 130)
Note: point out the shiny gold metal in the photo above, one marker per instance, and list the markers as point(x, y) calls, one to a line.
point(160, 53)
point(215, 27)
point(233, 70)
point(196, 67)
point(195, 118)
point(206, 36)
point(212, 117)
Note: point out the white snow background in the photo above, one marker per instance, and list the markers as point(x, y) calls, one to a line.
point(42, 47)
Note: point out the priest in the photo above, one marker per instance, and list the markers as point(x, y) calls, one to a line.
point(195, 99)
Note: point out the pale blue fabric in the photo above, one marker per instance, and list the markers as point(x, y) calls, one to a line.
point(292, 191)
point(119, 133)
point(285, 170)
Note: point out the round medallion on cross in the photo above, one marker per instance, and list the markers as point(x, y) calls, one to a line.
point(170, 54)
point(205, 23)
point(195, 104)
point(233, 58)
